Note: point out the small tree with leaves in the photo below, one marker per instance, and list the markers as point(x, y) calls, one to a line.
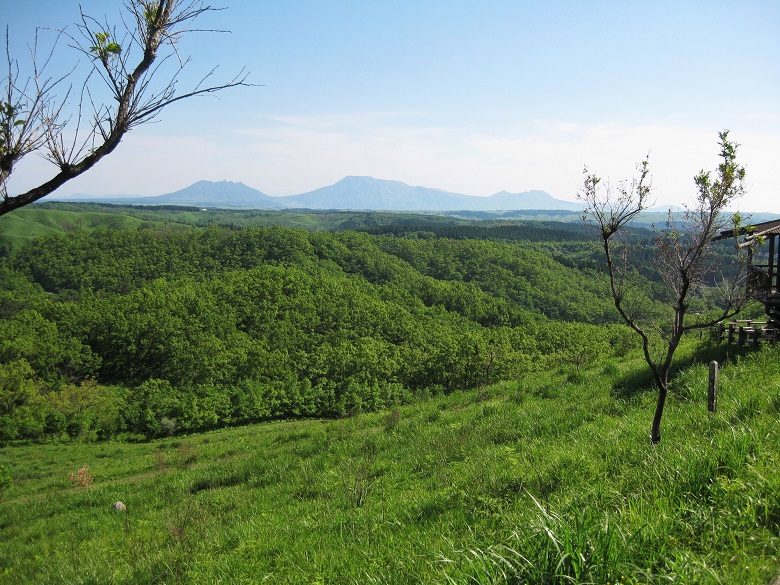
point(134, 72)
point(682, 257)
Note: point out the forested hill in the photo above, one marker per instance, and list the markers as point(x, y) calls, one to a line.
point(143, 332)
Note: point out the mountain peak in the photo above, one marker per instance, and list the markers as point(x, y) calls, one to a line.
point(218, 193)
point(535, 199)
point(370, 193)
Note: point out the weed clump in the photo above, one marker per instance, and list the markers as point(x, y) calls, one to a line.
point(391, 420)
point(82, 478)
point(6, 481)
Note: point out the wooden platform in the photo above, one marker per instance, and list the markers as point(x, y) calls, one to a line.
point(763, 282)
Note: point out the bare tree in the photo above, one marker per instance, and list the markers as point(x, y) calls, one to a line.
point(125, 70)
point(682, 257)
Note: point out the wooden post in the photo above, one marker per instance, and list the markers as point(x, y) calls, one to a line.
point(770, 269)
point(712, 390)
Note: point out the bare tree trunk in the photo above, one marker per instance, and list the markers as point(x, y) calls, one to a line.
point(655, 431)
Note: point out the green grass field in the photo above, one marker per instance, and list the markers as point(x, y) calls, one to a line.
point(27, 224)
point(549, 479)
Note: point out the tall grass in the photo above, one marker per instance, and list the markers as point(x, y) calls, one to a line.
point(544, 480)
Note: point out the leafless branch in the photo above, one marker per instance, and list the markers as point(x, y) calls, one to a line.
point(128, 63)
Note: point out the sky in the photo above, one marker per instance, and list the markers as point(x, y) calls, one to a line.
point(470, 97)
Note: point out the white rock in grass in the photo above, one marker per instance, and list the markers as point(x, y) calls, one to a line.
point(120, 507)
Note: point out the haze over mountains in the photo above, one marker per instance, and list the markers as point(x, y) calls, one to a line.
point(354, 193)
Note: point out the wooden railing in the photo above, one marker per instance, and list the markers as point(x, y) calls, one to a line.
point(746, 331)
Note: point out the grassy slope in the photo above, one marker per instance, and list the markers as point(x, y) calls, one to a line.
point(61, 216)
point(516, 483)
point(24, 225)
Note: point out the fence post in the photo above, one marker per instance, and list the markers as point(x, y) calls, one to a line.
point(712, 390)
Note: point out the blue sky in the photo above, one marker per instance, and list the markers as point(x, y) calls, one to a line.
point(471, 97)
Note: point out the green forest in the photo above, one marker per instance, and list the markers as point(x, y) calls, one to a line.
point(150, 331)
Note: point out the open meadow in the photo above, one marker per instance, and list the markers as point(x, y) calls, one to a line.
point(547, 479)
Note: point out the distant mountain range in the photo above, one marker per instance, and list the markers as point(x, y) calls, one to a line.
point(355, 193)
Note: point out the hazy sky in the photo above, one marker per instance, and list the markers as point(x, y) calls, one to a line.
point(472, 97)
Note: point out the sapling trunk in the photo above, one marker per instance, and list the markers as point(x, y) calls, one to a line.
point(655, 431)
